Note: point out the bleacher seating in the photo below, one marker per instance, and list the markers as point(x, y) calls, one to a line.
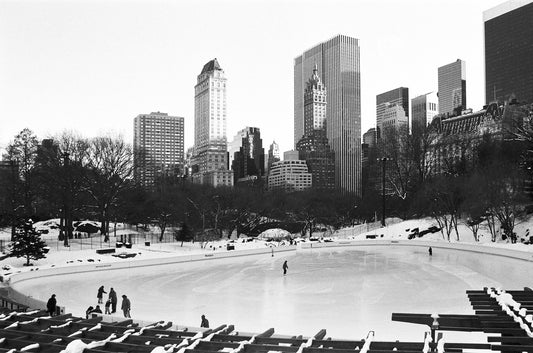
point(35, 331)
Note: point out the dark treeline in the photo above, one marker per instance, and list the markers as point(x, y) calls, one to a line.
point(483, 176)
point(74, 178)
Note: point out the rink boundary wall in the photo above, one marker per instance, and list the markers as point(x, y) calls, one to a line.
point(476, 248)
point(24, 299)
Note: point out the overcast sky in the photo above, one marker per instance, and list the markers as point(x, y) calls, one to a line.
point(92, 66)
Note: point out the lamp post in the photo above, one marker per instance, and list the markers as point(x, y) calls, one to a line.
point(383, 161)
point(67, 221)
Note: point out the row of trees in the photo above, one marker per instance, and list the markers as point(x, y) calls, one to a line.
point(487, 178)
point(70, 177)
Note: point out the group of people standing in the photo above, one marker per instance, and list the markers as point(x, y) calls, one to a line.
point(110, 304)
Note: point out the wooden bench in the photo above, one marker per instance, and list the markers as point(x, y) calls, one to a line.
point(105, 251)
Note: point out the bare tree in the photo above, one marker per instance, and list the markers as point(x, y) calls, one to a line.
point(110, 165)
point(23, 151)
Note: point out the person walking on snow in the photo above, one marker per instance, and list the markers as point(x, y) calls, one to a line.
point(126, 306)
point(285, 268)
point(107, 305)
point(113, 298)
point(51, 305)
point(100, 294)
point(205, 322)
point(430, 251)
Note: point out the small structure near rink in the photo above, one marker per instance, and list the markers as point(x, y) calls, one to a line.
point(508, 314)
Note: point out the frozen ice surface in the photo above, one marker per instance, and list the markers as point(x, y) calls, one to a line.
point(348, 291)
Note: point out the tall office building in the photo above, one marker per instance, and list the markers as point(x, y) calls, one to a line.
point(392, 109)
point(338, 62)
point(423, 109)
point(158, 146)
point(210, 155)
point(247, 154)
point(509, 51)
point(452, 87)
point(313, 147)
point(315, 103)
point(273, 156)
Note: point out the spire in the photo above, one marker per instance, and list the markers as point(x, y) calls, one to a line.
point(314, 80)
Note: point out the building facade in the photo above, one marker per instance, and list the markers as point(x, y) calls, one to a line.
point(273, 156)
point(454, 139)
point(338, 61)
point(210, 156)
point(247, 154)
point(392, 107)
point(452, 87)
point(315, 103)
point(291, 174)
point(158, 146)
point(509, 52)
point(423, 110)
point(314, 147)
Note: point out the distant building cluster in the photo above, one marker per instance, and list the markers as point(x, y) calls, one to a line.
point(329, 152)
point(449, 129)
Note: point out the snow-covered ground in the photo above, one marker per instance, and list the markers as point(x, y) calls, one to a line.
point(348, 291)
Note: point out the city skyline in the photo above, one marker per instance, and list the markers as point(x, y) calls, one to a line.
point(91, 67)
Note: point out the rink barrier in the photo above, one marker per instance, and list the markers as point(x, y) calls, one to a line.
point(477, 248)
point(34, 303)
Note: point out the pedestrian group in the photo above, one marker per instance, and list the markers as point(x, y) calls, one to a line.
point(110, 304)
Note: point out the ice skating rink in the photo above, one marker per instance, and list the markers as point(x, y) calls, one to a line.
point(348, 291)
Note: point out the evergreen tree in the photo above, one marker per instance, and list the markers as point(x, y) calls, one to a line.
point(27, 243)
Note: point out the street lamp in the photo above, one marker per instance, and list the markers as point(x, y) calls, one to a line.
point(66, 207)
point(383, 160)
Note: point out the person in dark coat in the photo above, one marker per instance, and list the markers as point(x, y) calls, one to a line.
point(88, 311)
point(97, 310)
point(113, 298)
point(107, 305)
point(285, 268)
point(205, 322)
point(51, 305)
point(430, 251)
point(100, 295)
point(126, 306)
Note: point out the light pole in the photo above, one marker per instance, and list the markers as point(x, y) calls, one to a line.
point(383, 171)
point(67, 221)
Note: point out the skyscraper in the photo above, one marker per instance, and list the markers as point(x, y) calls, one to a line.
point(338, 61)
point(423, 109)
point(313, 147)
point(273, 156)
point(247, 154)
point(509, 52)
point(210, 156)
point(392, 109)
point(452, 87)
point(158, 146)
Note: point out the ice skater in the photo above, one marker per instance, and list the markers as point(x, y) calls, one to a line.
point(51, 305)
point(205, 322)
point(430, 251)
point(285, 268)
point(100, 295)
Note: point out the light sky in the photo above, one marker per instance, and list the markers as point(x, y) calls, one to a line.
point(92, 66)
